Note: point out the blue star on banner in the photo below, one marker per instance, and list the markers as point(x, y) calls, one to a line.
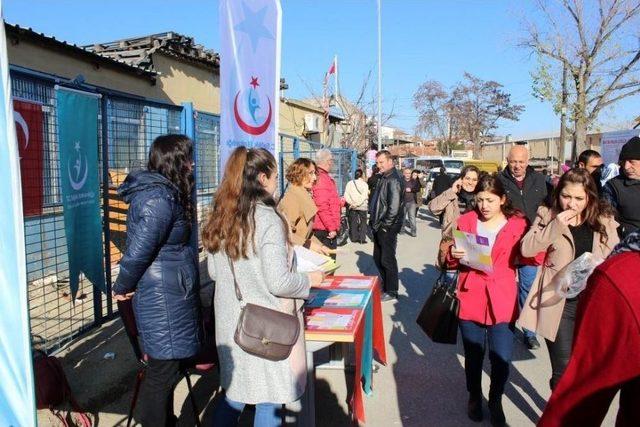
point(253, 25)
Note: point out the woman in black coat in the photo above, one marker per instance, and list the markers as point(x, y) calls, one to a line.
point(159, 270)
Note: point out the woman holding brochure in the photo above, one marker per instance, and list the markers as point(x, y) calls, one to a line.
point(578, 222)
point(452, 203)
point(248, 245)
point(298, 206)
point(488, 300)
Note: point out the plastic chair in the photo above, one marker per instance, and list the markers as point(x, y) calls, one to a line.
point(202, 363)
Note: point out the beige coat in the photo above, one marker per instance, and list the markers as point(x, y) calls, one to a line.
point(543, 308)
point(299, 209)
point(446, 202)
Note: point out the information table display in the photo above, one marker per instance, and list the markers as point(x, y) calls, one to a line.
point(347, 309)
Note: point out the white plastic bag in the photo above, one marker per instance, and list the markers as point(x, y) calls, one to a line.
point(572, 279)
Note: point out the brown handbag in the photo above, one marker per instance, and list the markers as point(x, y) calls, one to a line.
point(263, 332)
point(443, 251)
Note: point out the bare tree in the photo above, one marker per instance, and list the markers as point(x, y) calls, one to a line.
point(359, 129)
point(597, 43)
point(478, 105)
point(435, 118)
point(469, 112)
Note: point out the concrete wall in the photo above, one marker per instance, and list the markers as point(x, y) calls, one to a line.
point(292, 120)
point(59, 62)
point(185, 82)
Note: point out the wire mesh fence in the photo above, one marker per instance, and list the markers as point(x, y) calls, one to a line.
point(129, 125)
point(207, 142)
point(132, 125)
point(292, 148)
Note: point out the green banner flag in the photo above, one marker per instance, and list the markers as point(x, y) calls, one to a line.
point(78, 133)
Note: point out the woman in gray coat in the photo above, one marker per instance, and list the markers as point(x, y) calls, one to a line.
point(245, 229)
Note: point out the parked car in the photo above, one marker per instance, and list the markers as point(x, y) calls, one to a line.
point(431, 174)
point(483, 165)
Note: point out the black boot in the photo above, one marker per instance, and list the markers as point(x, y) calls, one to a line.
point(496, 413)
point(474, 408)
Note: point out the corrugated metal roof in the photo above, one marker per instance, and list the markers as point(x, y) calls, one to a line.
point(17, 30)
point(138, 51)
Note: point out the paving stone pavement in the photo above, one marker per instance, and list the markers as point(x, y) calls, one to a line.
point(422, 385)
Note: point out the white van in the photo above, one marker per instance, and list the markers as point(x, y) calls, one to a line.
point(426, 163)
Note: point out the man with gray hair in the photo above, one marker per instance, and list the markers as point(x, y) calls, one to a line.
point(527, 190)
point(325, 195)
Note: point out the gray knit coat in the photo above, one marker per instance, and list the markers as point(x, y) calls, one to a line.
point(266, 279)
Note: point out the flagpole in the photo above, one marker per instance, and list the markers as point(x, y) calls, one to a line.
point(335, 60)
point(379, 74)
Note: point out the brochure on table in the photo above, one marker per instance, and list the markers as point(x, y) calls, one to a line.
point(356, 298)
point(478, 250)
point(348, 282)
point(331, 320)
point(308, 260)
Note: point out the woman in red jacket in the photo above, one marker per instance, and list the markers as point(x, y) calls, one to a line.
point(488, 301)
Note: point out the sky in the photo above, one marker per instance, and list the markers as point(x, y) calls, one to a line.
point(421, 40)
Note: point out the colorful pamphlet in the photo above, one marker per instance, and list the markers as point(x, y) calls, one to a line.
point(337, 298)
point(478, 250)
point(331, 320)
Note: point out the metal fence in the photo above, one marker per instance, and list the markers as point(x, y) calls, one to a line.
point(124, 137)
point(131, 126)
point(207, 140)
point(292, 148)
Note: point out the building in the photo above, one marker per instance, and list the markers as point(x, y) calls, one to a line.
point(543, 151)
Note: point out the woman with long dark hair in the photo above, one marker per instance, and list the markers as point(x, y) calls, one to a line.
point(488, 300)
point(248, 243)
point(159, 270)
point(578, 222)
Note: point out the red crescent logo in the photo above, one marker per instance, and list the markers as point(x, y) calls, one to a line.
point(251, 130)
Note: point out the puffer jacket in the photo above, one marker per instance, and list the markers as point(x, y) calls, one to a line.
point(160, 266)
point(386, 209)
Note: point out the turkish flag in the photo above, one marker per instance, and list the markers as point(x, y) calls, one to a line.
point(30, 134)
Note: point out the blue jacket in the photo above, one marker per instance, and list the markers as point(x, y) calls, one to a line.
point(160, 266)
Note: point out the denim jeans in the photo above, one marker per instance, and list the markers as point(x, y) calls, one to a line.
point(411, 210)
point(526, 276)
point(474, 338)
point(450, 277)
point(227, 413)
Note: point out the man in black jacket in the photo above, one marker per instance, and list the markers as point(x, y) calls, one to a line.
point(623, 191)
point(386, 215)
point(527, 190)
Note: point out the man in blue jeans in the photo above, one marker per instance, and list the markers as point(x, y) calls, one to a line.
point(527, 190)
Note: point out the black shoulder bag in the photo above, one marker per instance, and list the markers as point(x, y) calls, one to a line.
point(439, 316)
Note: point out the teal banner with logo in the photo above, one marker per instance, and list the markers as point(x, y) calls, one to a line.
point(78, 133)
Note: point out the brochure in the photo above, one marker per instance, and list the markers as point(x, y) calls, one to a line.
point(477, 248)
point(311, 261)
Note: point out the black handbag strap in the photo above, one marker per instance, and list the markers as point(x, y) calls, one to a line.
point(441, 280)
point(237, 287)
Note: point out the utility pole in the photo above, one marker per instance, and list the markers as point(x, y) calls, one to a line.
point(563, 118)
point(379, 74)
